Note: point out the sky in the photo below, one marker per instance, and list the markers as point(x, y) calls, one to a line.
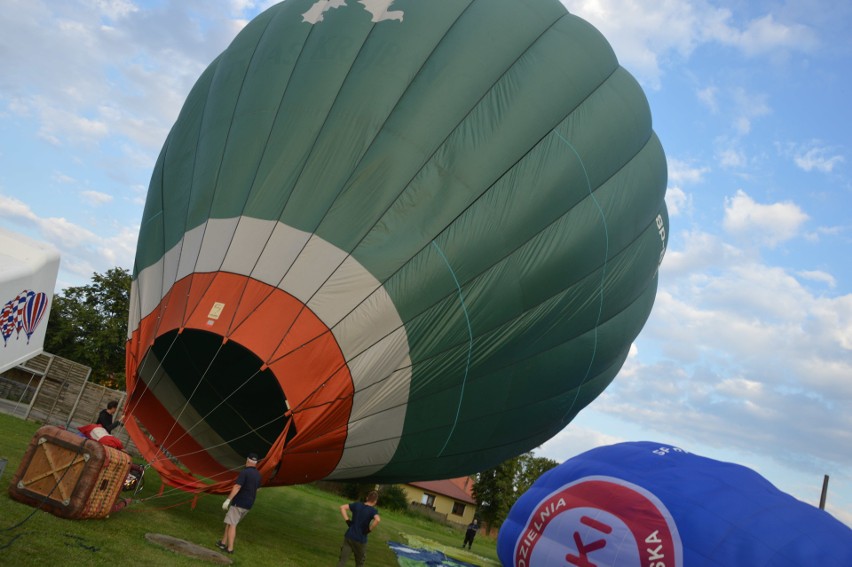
point(747, 354)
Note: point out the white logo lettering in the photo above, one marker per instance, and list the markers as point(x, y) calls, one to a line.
point(378, 9)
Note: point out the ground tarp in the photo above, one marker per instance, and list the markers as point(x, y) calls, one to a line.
point(414, 557)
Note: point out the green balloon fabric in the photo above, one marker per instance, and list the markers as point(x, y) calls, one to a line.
point(393, 240)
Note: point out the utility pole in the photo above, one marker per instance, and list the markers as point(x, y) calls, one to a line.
point(824, 492)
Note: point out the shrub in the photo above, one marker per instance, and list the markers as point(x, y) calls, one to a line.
point(357, 490)
point(392, 497)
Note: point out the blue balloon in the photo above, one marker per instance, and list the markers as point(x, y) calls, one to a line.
point(653, 505)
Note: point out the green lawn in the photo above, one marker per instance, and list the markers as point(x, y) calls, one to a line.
point(298, 526)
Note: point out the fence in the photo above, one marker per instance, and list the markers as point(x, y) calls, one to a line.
point(56, 391)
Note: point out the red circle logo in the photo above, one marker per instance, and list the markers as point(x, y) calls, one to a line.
point(599, 521)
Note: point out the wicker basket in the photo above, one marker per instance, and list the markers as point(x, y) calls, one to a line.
point(70, 476)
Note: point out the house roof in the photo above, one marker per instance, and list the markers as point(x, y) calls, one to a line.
point(451, 488)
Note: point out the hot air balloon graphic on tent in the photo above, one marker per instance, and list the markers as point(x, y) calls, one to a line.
point(23, 313)
point(396, 248)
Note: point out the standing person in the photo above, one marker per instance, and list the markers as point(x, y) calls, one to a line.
point(105, 417)
point(365, 518)
point(470, 533)
point(239, 502)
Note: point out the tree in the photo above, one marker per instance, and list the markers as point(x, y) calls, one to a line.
point(393, 497)
point(88, 324)
point(496, 490)
point(531, 468)
point(357, 490)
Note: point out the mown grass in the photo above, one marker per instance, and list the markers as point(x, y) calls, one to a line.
point(290, 526)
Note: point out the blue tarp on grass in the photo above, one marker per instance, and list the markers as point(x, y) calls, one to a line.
point(411, 556)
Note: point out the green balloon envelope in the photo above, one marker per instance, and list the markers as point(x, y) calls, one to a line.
point(393, 241)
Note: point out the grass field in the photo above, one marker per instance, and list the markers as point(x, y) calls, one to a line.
point(290, 526)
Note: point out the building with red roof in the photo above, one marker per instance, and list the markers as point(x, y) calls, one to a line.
point(452, 498)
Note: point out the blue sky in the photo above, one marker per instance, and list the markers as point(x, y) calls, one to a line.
point(747, 356)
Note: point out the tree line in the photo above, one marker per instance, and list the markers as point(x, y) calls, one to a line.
point(88, 324)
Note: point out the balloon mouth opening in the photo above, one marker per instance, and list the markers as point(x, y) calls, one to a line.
point(217, 391)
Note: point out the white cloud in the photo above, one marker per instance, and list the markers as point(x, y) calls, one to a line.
point(66, 235)
point(737, 104)
point(740, 387)
point(120, 249)
point(128, 78)
point(677, 201)
point(572, 441)
point(642, 35)
point(645, 36)
point(762, 36)
point(768, 378)
point(82, 251)
point(698, 253)
point(748, 106)
point(765, 35)
point(95, 197)
point(817, 158)
point(742, 124)
point(732, 158)
point(819, 276)
point(62, 178)
point(15, 210)
point(765, 224)
point(834, 317)
point(708, 96)
point(114, 9)
point(741, 351)
point(63, 125)
point(683, 172)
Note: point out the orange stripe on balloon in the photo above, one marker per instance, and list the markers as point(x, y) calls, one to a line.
point(281, 331)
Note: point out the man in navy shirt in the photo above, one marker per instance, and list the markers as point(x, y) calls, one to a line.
point(239, 502)
point(365, 518)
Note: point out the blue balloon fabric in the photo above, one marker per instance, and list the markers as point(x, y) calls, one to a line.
point(654, 505)
point(416, 557)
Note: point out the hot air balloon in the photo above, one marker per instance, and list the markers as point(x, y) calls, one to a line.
point(34, 310)
point(392, 243)
point(7, 320)
point(645, 503)
point(16, 316)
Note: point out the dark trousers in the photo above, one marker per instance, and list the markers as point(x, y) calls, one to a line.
point(360, 550)
point(468, 538)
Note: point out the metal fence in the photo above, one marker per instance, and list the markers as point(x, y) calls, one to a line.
point(56, 391)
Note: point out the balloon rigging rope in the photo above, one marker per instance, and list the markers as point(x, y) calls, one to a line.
point(131, 405)
point(470, 345)
point(603, 271)
point(186, 403)
point(252, 430)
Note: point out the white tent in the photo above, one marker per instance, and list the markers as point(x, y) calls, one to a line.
point(28, 270)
